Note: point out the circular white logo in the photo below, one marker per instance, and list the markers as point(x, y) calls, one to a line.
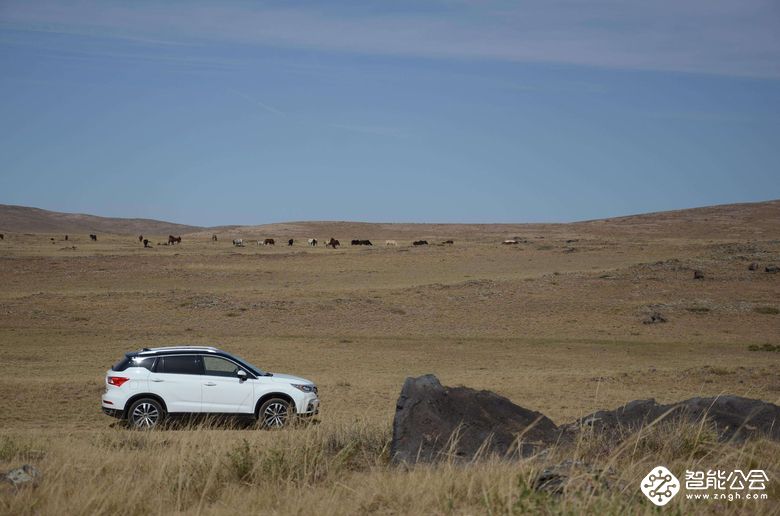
point(660, 485)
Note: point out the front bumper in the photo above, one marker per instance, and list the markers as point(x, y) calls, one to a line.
point(309, 406)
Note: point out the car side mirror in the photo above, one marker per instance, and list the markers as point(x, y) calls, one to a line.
point(241, 375)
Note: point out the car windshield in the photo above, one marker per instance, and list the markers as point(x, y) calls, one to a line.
point(256, 370)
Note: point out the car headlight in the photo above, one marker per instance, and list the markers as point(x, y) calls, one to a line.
point(305, 388)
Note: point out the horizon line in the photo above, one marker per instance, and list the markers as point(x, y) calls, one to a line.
point(325, 221)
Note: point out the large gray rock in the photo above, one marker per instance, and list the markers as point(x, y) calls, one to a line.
point(433, 422)
point(732, 416)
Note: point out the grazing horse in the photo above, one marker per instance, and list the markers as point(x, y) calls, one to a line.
point(174, 240)
point(361, 242)
point(312, 242)
point(214, 237)
point(140, 238)
point(66, 237)
point(420, 242)
point(146, 242)
point(2, 236)
point(448, 242)
point(93, 238)
point(333, 243)
point(290, 242)
point(269, 241)
point(391, 243)
point(238, 242)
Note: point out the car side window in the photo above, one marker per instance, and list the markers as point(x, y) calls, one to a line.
point(215, 366)
point(179, 364)
point(145, 362)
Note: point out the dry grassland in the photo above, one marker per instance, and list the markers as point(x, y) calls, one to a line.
point(554, 323)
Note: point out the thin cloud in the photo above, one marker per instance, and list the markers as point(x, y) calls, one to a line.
point(257, 103)
point(375, 131)
point(303, 121)
point(730, 37)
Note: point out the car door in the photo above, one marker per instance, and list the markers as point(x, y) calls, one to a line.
point(222, 390)
point(177, 380)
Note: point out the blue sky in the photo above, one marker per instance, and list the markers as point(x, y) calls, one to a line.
point(439, 111)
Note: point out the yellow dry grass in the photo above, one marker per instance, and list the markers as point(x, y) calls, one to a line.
point(553, 323)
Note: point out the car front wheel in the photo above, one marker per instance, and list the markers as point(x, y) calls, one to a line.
point(145, 414)
point(274, 413)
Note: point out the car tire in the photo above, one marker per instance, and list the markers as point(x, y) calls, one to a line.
point(274, 414)
point(145, 414)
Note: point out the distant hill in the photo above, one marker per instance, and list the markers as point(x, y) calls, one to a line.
point(740, 221)
point(747, 220)
point(21, 219)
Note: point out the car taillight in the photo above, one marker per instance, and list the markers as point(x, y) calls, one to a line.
point(117, 380)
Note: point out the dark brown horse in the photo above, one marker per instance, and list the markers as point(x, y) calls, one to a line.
point(93, 238)
point(140, 238)
point(174, 240)
point(290, 242)
point(333, 243)
point(269, 241)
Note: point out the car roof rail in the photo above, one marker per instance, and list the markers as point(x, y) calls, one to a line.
point(210, 349)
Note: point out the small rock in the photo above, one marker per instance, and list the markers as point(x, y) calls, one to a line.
point(22, 476)
point(575, 474)
point(654, 318)
point(697, 274)
point(554, 478)
point(753, 266)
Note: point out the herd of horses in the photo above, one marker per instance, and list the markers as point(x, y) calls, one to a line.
point(333, 243)
point(239, 242)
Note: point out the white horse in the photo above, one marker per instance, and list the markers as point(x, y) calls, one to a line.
point(391, 243)
point(313, 242)
point(238, 242)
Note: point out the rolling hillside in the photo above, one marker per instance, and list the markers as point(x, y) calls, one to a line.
point(21, 219)
point(723, 221)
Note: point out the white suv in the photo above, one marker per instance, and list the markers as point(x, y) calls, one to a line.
point(147, 385)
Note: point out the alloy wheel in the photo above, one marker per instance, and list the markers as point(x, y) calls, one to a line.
point(275, 415)
point(145, 415)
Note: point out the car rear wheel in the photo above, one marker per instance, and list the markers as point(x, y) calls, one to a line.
point(145, 414)
point(274, 413)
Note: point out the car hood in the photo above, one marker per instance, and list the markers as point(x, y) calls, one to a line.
point(288, 378)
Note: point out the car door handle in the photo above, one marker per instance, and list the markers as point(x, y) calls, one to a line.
point(157, 380)
point(210, 384)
